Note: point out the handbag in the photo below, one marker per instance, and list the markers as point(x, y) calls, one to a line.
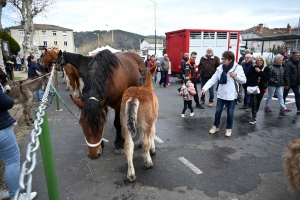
point(253, 90)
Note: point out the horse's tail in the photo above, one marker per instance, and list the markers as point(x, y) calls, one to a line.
point(131, 113)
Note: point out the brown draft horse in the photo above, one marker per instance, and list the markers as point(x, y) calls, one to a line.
point(50, 56)
point(139, 112)
point(292, 166)
point(109, 75)
point(4, 81)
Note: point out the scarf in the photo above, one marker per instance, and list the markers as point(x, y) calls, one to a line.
point(223, 78)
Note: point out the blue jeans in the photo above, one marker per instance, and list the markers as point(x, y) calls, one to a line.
point(295, 89)
point(19, 67)
point(211, 89)
point(10, 154)
point(279, 93)
point(154, 79)
point(39, 94)
point(230, 112)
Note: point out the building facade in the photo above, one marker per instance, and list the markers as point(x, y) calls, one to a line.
point(46, 35)
point(261, 31)
point(147, 47)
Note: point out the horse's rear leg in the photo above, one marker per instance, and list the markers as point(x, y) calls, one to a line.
point(77, 81)
point(146, 149)
point(152, 148)
point(141, 132)
point(73, 84)
point(128, 148)
point(68, 82)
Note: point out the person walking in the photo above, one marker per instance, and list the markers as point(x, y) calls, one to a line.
point(9, 65)
point(292, 78)
point(152, 64)
point(207, 67)
point(228, 73)
point(247, 64)
point(9, 149)
point(147, 60)
point(275, 84)
point(169, 73)
point(257, 76)
point(19, 63)
point(164, 71)
point(185, 58)
point(187, 91)
point(242, 58)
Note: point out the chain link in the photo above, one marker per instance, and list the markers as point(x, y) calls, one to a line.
point(29, 164)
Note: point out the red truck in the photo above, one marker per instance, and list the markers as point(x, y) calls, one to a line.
point(198, 40)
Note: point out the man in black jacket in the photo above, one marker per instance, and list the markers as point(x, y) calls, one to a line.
point(242, 58)
point(292, 78)
point(185, 58)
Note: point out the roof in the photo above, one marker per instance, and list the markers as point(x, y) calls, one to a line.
point(267, 31)
point(200, 30)
point(44, 27)
point(151, 40)
point(275, 38)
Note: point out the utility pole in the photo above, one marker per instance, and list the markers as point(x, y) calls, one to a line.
point(98, 38)
point(154, 26)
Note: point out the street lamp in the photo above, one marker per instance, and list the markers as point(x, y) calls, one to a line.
point(83, 49)
point(112, 34)
point(98, 38)
point(154, 26)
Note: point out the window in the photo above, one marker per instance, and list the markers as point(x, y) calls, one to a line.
point(54, 33)
point(65, 43)
point(43, 33)
point(21, 33)
point(55, 43)
point(45, 43)
point(64, 33)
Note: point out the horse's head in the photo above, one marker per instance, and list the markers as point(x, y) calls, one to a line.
point(92, 118)
point(49, 57)
point(4, 81)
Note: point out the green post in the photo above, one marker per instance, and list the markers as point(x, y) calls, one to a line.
point(48, 161)
point(56, 87)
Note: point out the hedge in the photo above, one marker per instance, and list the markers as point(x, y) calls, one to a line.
point(14, 46)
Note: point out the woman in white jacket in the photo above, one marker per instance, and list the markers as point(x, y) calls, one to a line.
point(227, 74)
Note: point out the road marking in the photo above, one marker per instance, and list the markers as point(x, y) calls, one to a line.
point(158, 139)
point(190, 165)
point(105, 140)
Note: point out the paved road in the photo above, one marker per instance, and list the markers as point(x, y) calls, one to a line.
point(189, 164)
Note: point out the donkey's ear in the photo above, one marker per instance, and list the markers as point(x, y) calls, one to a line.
point(77, 102)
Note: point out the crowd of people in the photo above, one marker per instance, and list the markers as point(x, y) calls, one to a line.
point(252, 74)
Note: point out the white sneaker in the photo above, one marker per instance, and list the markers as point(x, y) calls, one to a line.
point(182, 115)
point(213, 130)
point(228, 133)
point(192, 114)
point(4, 194)
point(23, 196)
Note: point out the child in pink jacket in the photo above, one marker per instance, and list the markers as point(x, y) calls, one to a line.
point(187, 91)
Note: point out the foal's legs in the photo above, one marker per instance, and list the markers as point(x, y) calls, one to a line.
point(152, 148)
point(73, 84)
point(146, 148)
point(128, 148)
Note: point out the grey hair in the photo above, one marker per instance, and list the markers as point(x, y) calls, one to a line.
point(277, 57)
point(210, 48)
point(247, 50)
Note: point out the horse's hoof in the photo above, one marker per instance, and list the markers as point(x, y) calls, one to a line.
point(131, 178)
point(64, 82)
point(67, 89)
point(152, 152)
point(119, 151)
point(149, 165)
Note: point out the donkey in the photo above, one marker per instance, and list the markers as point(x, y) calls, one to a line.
point(139, 112)
point(4, 80)
point(23, 93)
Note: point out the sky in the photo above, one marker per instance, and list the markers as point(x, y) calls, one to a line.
point(138, 16)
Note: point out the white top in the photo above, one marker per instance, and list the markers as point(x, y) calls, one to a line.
point(227, 91)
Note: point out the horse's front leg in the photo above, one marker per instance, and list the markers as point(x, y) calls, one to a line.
point(119, 142)
point(25, 113)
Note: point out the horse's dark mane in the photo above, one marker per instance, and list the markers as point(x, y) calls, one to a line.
point(100, 71)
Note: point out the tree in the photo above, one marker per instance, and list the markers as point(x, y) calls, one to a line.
point(28, 9)
point(14, 46)
point(2, 4)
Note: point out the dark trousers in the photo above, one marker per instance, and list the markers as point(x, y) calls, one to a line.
point(295, 89)
point(187, 104)
point(211, 89)
point(255, 100)
point(246, 97)
point(196, 97)
point(163, 78)
point(10, 74)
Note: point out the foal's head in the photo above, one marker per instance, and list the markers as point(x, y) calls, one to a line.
point(4, 81)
